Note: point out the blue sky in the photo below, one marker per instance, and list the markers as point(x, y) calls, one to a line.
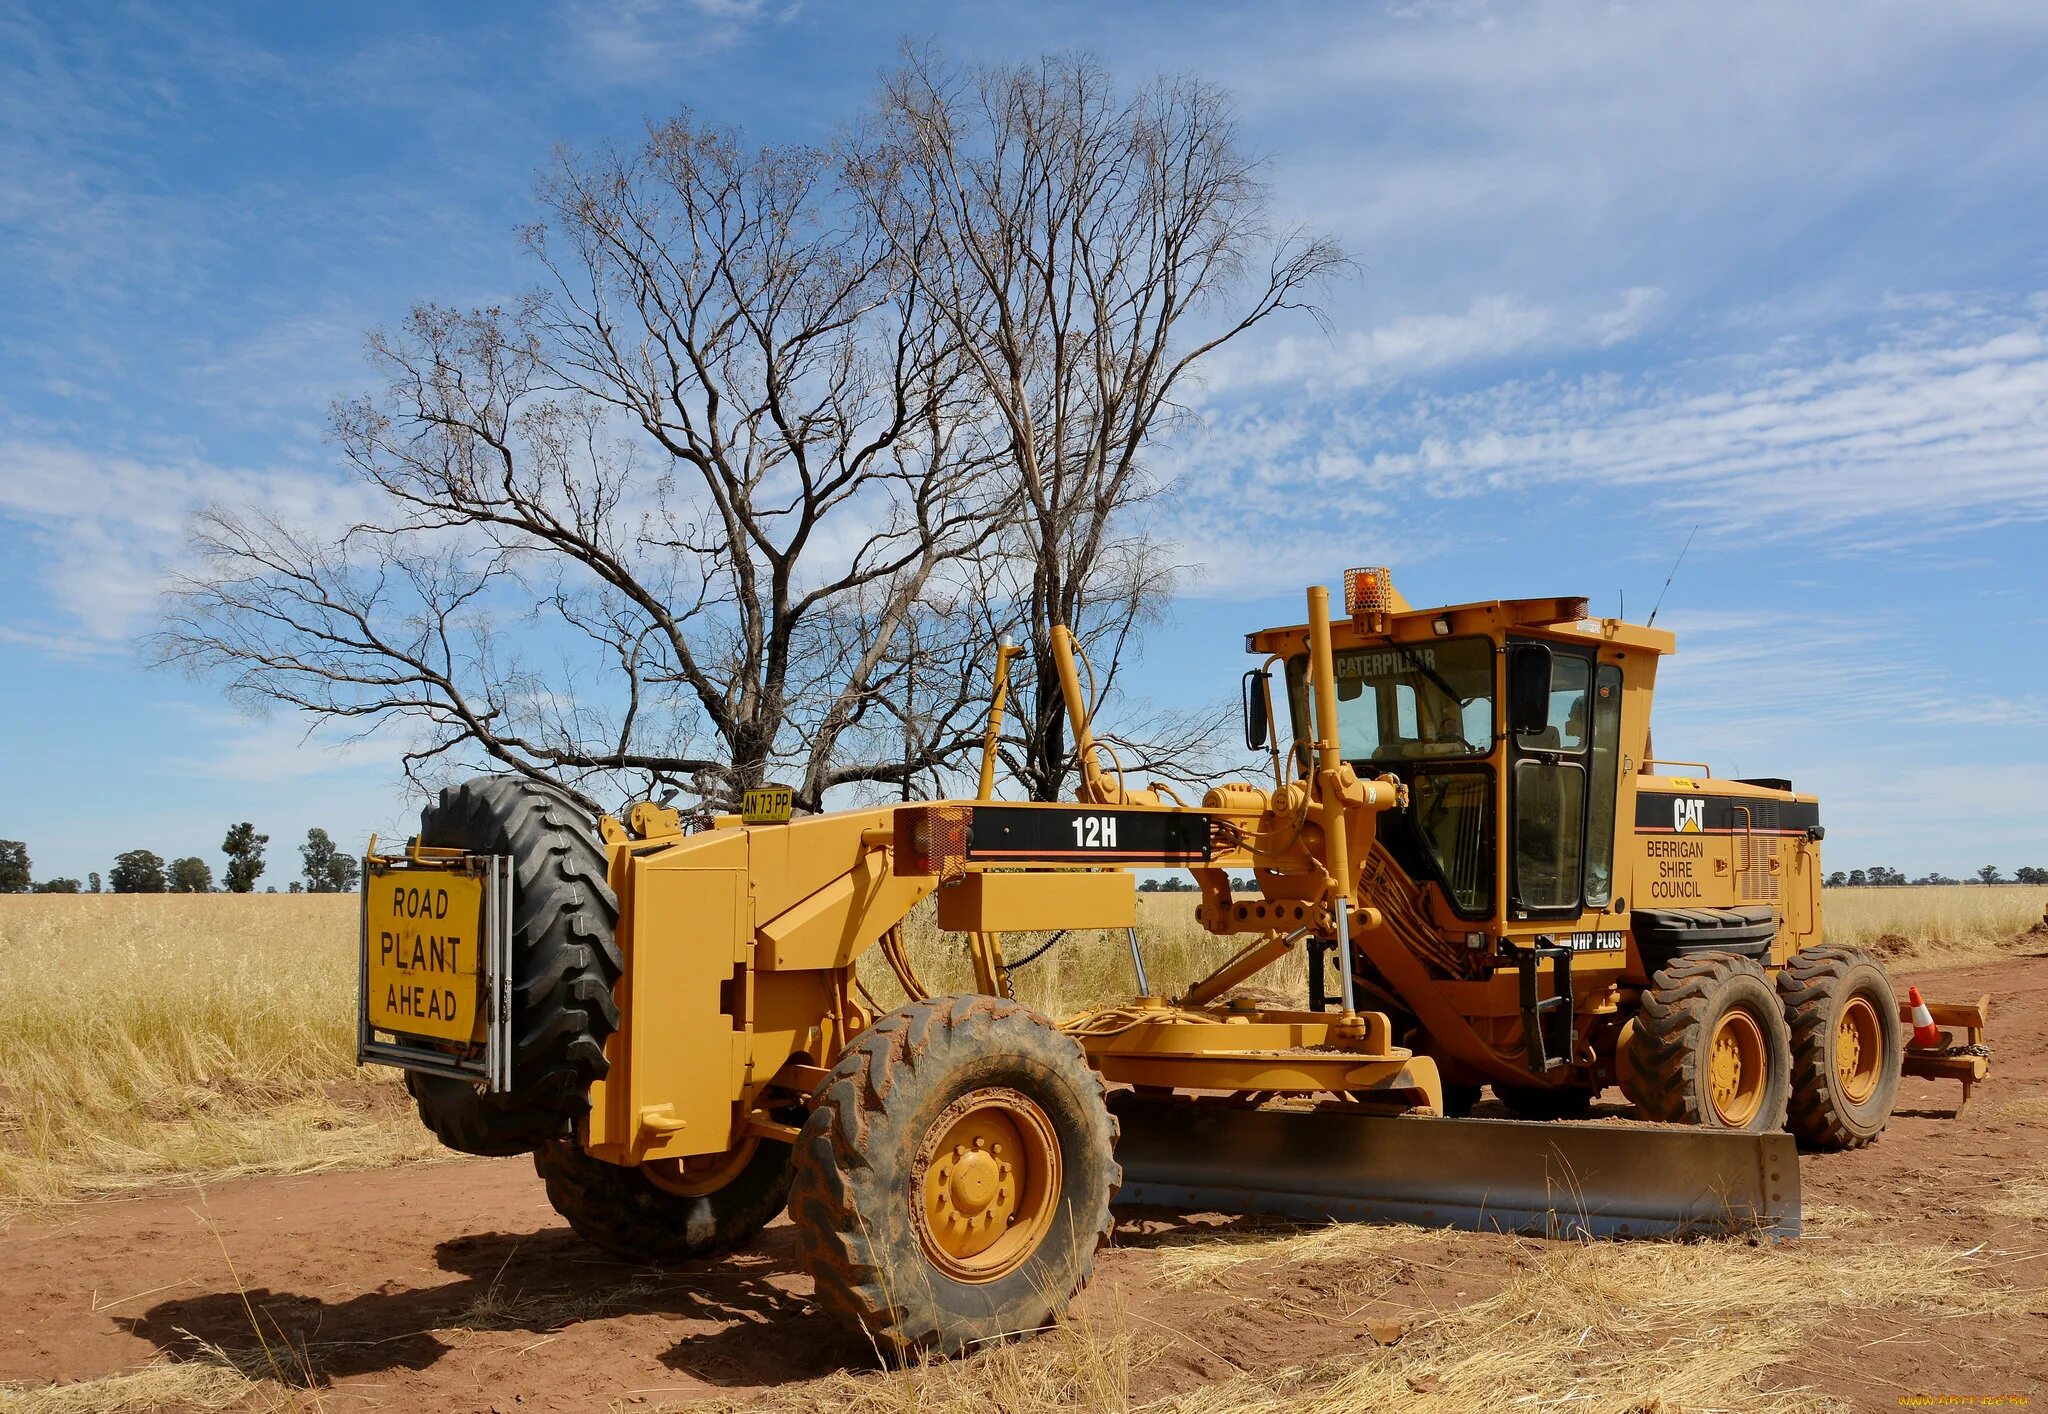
point(1778, 271)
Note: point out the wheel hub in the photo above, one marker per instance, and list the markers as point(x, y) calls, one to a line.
point(974, 1184)
point(1735, 1069)
point(987, 1182)
point(1859, 1049)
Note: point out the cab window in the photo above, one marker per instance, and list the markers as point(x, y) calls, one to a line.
point(1564, 779)
point(1416, 702)
point(1424, 711)
point(1567, 727)
point(1606, 762)
point(1453, 813)
point(1550, 812)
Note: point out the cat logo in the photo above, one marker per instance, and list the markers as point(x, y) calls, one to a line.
point(1688, 817)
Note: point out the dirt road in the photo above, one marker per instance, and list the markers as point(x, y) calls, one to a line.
point(454, 1286)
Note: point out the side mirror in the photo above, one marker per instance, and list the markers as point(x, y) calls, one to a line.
point(1528, 688)
point(1256, 727)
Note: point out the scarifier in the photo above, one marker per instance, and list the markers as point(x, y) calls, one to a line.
point(1466, 825)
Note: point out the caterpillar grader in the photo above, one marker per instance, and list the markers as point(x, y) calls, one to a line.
point(1465, 839)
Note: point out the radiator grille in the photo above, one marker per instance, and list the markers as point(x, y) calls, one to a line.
point(1761, 845)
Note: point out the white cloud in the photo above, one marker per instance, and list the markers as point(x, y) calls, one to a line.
point(1551, 153)
point(238, 748)
point(57, 645)
point(637, 41)
point(109, 530)
point(1628, 319)
point(1491, 329)
point(1744, 682)
point(1484, 116)
point(1932, 426)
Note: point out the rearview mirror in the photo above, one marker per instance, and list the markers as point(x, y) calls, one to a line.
point(1256, 727)
point(1528, 688)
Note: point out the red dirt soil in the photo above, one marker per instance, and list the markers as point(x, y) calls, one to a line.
point(377, 1274)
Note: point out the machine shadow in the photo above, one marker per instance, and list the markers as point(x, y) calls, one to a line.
point(537, 1282)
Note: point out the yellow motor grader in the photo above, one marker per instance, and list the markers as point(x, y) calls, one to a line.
point(1464, 825)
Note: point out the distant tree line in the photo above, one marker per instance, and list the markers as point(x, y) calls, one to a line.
point(1176, 884)
point(1880, 876)
point(324, 869)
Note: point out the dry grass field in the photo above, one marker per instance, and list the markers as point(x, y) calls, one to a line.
point(1612, 1329)
point(149, 1038)
point(1932, 927)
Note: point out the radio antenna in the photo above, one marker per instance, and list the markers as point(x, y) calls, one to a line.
point(1669, 577)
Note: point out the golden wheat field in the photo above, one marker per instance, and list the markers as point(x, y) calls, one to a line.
point(148, 1037)
point(144, 1037)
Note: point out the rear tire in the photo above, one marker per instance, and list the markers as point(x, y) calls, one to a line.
point(565, 961)
point(639, 1214)
point(1545, 1102)
point(954, 1178)
point(1711, 1047)
point(1847, 1046)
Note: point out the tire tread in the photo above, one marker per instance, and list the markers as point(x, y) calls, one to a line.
point(841, 1240)
point(566, 963)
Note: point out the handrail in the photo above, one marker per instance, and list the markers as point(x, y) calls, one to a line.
point(1649, 761)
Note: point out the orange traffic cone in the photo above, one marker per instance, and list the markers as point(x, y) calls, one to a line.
point(1926, 1035)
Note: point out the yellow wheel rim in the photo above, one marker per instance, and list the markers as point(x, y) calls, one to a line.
point(987, 1184)
point(1735, 1069)
point(1859, 1050)
point(693, 1178)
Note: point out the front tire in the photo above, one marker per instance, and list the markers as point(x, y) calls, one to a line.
point(954, 1178)
point(1711, 1046)
point(667, 1211)
point(1847, 1046)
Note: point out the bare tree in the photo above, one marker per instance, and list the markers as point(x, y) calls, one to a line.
point(671, 521)
point(1087, 250)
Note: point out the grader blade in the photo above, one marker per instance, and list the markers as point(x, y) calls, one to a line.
point(1553, 1179)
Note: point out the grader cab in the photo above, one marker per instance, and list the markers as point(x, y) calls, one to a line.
point(1464, 824)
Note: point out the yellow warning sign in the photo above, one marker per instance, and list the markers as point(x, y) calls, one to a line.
point(425, 942)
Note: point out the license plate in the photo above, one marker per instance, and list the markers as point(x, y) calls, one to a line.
point(767, 805)
point(425, 941)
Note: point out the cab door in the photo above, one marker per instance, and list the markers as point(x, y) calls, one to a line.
point(1562, 779)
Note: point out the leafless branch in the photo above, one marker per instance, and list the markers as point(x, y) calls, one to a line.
point(1087, 249)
